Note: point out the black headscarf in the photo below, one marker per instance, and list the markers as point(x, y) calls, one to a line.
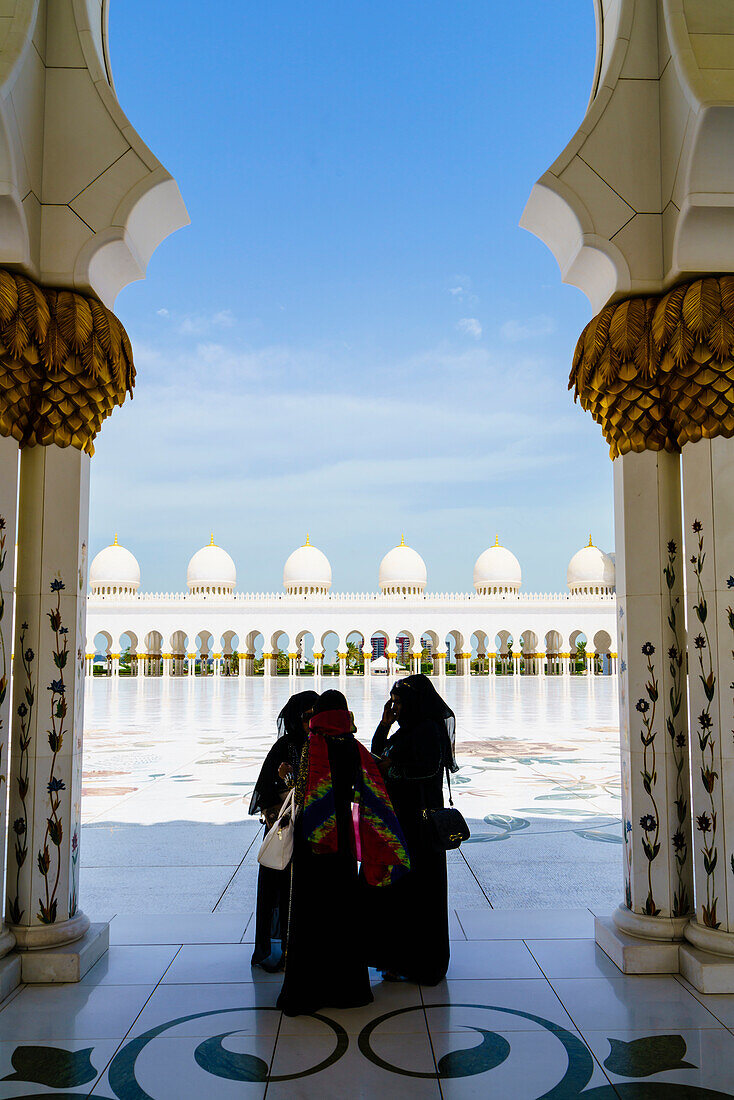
point(331, 700)
point(287, 749)
point(420, 702)
point(290, 719)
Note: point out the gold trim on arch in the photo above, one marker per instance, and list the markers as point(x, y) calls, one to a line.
point(65, 363)
point(658, 372)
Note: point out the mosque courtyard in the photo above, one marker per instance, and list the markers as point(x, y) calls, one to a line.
point(531, 1007)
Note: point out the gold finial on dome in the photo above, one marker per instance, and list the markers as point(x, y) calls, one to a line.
point(496, 540)
point(402, 540)
point(115, 543)
point(308, 540)
point(590, 542)
point(211, 541)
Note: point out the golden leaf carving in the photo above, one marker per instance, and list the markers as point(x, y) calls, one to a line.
point(625, 328)
point(665, 374)
point(701, 305)
point(65, 363)
point(8, 297)
point(667, 315)
point(74, 319)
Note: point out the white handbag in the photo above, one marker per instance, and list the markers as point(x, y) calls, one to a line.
point(276, 849)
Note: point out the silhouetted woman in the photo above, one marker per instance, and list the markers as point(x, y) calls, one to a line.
point(409, 927)
point(326, 961)
point(271, 914)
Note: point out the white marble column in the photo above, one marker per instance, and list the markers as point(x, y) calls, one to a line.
point(657, 864)
point(492, 664)
point(439, 662)
point(9, 973)
point(367, 662)
point(342, 663)
point(708, 502)
point(540, 661)
point(48, 702)
point(318, 663)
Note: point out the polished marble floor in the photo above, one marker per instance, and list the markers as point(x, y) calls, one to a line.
point(530, 1008)
point(169, 765)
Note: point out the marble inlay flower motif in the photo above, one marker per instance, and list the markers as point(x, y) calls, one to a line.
point(54, 834)
point(650, 822)
point(20, 824)
point(3, 652)
point(706, 822)
point(679, 839)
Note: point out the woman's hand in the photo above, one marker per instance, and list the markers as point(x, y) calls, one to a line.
point(388, 714)
point(285, 771)
point(271, 816)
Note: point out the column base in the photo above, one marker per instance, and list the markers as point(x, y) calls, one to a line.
point(7, 941)
point(710, 939)
point(706, 972)
point(39, 937)
point(664, 929)
point(633, 954)
point(66, 963)
point(10, 975)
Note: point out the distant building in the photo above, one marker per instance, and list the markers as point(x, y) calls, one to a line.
point(213, 628)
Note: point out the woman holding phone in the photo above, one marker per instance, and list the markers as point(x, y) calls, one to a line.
point(408, 922)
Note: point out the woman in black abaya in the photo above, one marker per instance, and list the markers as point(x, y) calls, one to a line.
point(408, 922)
point(271, 912)
point(326, 960)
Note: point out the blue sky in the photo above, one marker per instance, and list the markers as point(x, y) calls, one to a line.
point(353, 338)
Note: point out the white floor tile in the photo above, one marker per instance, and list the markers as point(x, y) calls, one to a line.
point(520, 996)
point(42, 1012)
point(572, 959)
point(196, 1006)
point(513, 924)
point(177, 928)
point(512, 1065)
point(654, 1003)
point(658, 1057)
point(353, 1075)
point(216, 962)
point(169, 1068)
point(70, 1064)
point(492, 959)
point(138, 965)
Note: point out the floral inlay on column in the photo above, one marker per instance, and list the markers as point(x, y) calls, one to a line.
point(54, 825)
point(649, 823)
point(706, 822)
point(3, 654)
point(20, 825)
point(730, 616)
point(681, 900)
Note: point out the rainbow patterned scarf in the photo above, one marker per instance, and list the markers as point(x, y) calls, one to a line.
point(377, 839)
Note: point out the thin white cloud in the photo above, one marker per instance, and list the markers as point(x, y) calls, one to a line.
point(470, 326)
point(197, 324)
point(515, 331)
point(162, 312)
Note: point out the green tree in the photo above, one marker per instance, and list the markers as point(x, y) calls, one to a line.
point(355, 659)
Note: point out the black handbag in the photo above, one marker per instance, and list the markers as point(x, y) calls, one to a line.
point(446, 825)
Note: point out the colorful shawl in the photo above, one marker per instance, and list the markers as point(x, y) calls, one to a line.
point(379, 839)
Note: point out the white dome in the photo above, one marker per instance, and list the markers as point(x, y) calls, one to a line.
point(402, 571)
point(497, 571)
point(307, 572)
point(114, 572)
point(211, 572)
point(591, 572)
